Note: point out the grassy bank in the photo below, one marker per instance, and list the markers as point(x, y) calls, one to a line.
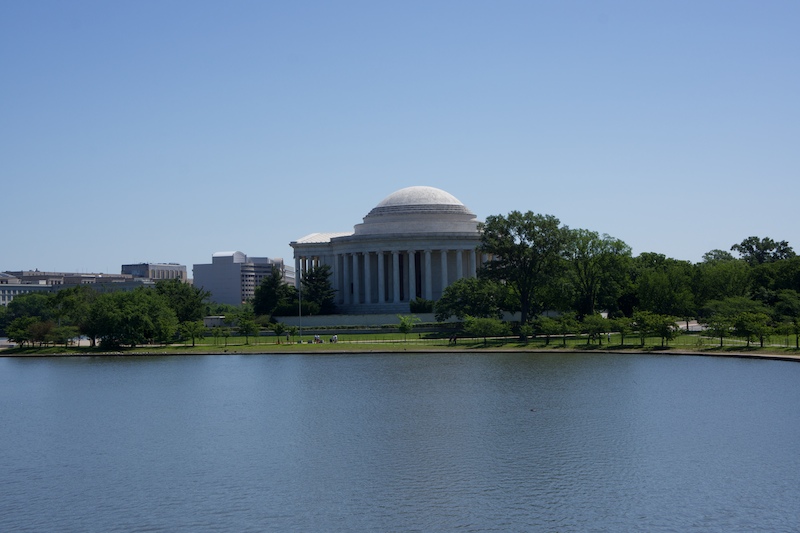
point(395, 342)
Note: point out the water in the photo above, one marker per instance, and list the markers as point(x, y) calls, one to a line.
point(380, 442)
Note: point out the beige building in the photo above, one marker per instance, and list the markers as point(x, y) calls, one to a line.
point(156, 271)
point(414, 243)
point(232, 277)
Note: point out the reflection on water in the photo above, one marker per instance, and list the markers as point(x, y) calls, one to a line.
point(399, 442)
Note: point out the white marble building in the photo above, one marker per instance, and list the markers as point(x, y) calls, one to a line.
point(414, 243)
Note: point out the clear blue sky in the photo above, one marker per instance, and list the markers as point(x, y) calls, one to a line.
point(165, 131)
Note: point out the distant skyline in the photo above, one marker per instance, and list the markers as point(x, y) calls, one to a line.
point(168, 131)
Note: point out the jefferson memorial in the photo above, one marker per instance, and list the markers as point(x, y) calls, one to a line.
point(414, 243)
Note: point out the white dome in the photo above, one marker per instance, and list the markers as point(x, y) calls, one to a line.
point(419, 199)
point(420, 195)
point(418, 209)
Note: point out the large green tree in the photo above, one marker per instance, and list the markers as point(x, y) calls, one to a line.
point(193, 330)
point(316, 287)
point(597, 267)
point(526, 252)
point(272, 294)
point(35, 304)
point(655, 324)
point(720, 277)
point(485, 327)
point(132, 318)
point(477, 297)
point(734, 316)
point(759, 251)
point(188, 301)
point(664, 285)
point(246, 324)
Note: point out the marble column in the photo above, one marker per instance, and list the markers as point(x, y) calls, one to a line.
point(459, 264)
point(335, 276)
point(396, 276)
point(428, 276)
point(381, 279)
point(346, 279)
point(367, 277)
point(356, 280)
point(412, 275)
point(444, 270)
point(473, 267)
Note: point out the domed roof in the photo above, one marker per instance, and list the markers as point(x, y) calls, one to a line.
point(419, 195)
point(418, 209)
point(419, 199)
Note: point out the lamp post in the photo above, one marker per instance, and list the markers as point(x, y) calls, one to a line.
point(300, 304)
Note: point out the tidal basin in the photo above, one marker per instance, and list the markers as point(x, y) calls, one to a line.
point(399, 442)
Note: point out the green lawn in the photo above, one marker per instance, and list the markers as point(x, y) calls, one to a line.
point(397, 342)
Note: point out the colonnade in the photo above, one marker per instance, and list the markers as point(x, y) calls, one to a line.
point(391, 276)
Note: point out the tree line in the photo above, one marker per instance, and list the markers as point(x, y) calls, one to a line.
point(168, 312)
point(556, 279)
point(145, 315)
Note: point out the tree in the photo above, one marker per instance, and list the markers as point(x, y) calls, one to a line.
point(485, 327)
point(666, 328)
point(293, 331)
point(316, 287)
point(40, 331)
point(527, 253)
point(775, 276)
point(622, 325)
point(717, 256)
point(156, 318)
point(664, 286)
point(787, 305)
point(19, 329)
point(655, 324)
point(218, 309)
point(594, 326)
point(420, 305)
point(567, 323)
point(226, 333)
point(102, 319)
point(192, 330)
point(757, 251)
point(789, 327)
point(476, 297)
point(546, 326)
point(722, 315)
point(279, 328)
point(188, 301)
point(131, 318)
point(730, 307)
point(597, 268)
point(794, 328)
point(71, 306)
point(407, 323)
point(720, 279)
point(4, 319)
point(246, 324)
point(34, 304)
point(752, 326)
point(719, 326)
point(272, 293)
point(64, 334)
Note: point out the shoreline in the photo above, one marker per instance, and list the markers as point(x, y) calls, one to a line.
point(258, 350)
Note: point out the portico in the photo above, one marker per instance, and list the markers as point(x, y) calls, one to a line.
point(414, 244)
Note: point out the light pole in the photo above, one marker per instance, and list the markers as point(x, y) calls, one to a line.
point(300, 303)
